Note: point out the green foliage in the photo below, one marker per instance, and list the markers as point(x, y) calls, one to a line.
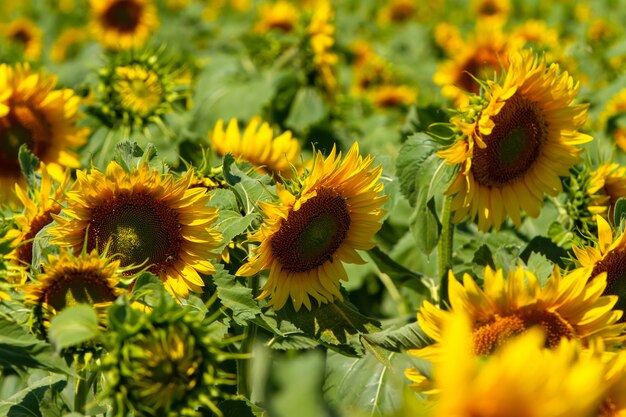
point(73, 326)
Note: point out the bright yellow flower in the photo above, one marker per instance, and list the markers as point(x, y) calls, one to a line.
point(386, 96)
point(615, 107)
point(322, 38)
point(306, 237)
point(281, 15)
point(606, 185)
point(44, 119)
point(569, 307)
point(610, 257)
point(516, 147)
point(523, 379)
point(67, 42)
point(396, 11)
point(492, 11)
point(148, 219)
point(138, 88)
point(258, 146)
point(25, 33)
point(123, 24)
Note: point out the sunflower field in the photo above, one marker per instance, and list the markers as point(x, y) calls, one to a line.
point(312, 208)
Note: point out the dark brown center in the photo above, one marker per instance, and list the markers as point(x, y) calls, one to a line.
point(72, 285)
point(140, 229)
point(123, 15)
point(614, 264)
point(482, 66)
point(21, 36)
point(489, 335)
point(24, 252)
point(22, 126)
point(310, 236)
point(513, 145)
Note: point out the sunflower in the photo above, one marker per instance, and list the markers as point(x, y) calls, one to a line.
point(38, 211)
point(27, 35)
point(44, 119)
point(614, 111)
point(281, 15)
point(565, 307)
point(147, 219)
point(386, 96)
point(513, 147)
point(123, 24)
point(522, 379)
point(322, 38)
point(258, 146)
point(67, 280)
point(139, 89)
point(493, 11)
point(68, 44)
point(306, 237)
point(482, 56)
point(613, 403)
point(397, 11)
point(607, 184)
point(609, 256)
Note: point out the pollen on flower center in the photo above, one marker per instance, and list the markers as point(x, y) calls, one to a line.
point(310, 235)
point(22, 126)
point(513, 145)
point(491, 334)
point(140, 229)
point(123, 15)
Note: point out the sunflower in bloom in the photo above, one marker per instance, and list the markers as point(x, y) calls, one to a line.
point(68, 43)
point(613, 403)
point(397, 11)
point(32, 113)
point(123, 24)
point(609, 256)
point(607, 184)
point(482, 56)
point(38, 211)
point(322, 38)
point(613, 113)
point(493, 11)
point(522, 379)
point(513, 147)
point(386, 96)
point(27, 35)
point(307, 236)
point(569, 307)
point(67, 280)
point(258, 146)
point(148, 219)
point(281, 15)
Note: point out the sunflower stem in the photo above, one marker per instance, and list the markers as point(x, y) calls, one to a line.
point(82, 388)
point(444, 250)
point(249, 334)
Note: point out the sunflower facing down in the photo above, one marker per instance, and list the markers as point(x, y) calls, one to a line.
point(123, 24)
point(148, 220)
point(307, 236)
point(569, 307)
point(609, 257)
point(514, 146)
point(258, 146)
point(523, 379)
point(32, 113)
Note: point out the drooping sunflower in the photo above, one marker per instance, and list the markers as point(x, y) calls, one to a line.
point(483, 56)
point(148, 219)
point(322, 38)
point(307, 236)
point(123, 24)
point(258, 146)
point(281, 15)
point(569, 307)
point(609, 256)
point(33, 113)
point(67, 280)
point(38, 211)
point(522, 379)
point(513, 146)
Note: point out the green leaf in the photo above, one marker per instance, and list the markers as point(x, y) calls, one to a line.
point(372, 385)
point(19, 349)
point(425, 225)
point(28, 165)
point(234, 295)
point(307, 109)
point(248, 189)
point(223, 199)
point(26, 403)
point(409, 336)
point(540, 266)
point(619, 213)
point(411, 157)
point(483, 257)
point(396, 272)
point(73, 325)
point(42, 247)
point(238, 408)
point(232, 223)
point(130, 155)
point(546, 247)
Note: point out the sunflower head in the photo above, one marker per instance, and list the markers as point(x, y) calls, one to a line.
point(164, 363)
point(281, 15)
point(123, 24)
point(491, 11)
point(522, 379)
point(397, 11)
point(515, 142)
point(34, 114)
point(278, 156)
point(321, 34)
point(613, 119)
point(335, 211)
point(68, 280)
point(570, 307)
point(27, 36)
point(68, 44)
point(389, 96)
point(148, 219)
point(140, 88)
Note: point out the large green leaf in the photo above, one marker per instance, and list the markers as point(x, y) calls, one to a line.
point(73, 325)
point(411, 157)
point(236, 296)
point(249, 189)
point(307, 109)
point(232, 223)
point(26, 403)
point(409, 336)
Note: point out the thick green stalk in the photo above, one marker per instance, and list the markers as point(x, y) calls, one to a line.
point(444, 250)
point(249, 335)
